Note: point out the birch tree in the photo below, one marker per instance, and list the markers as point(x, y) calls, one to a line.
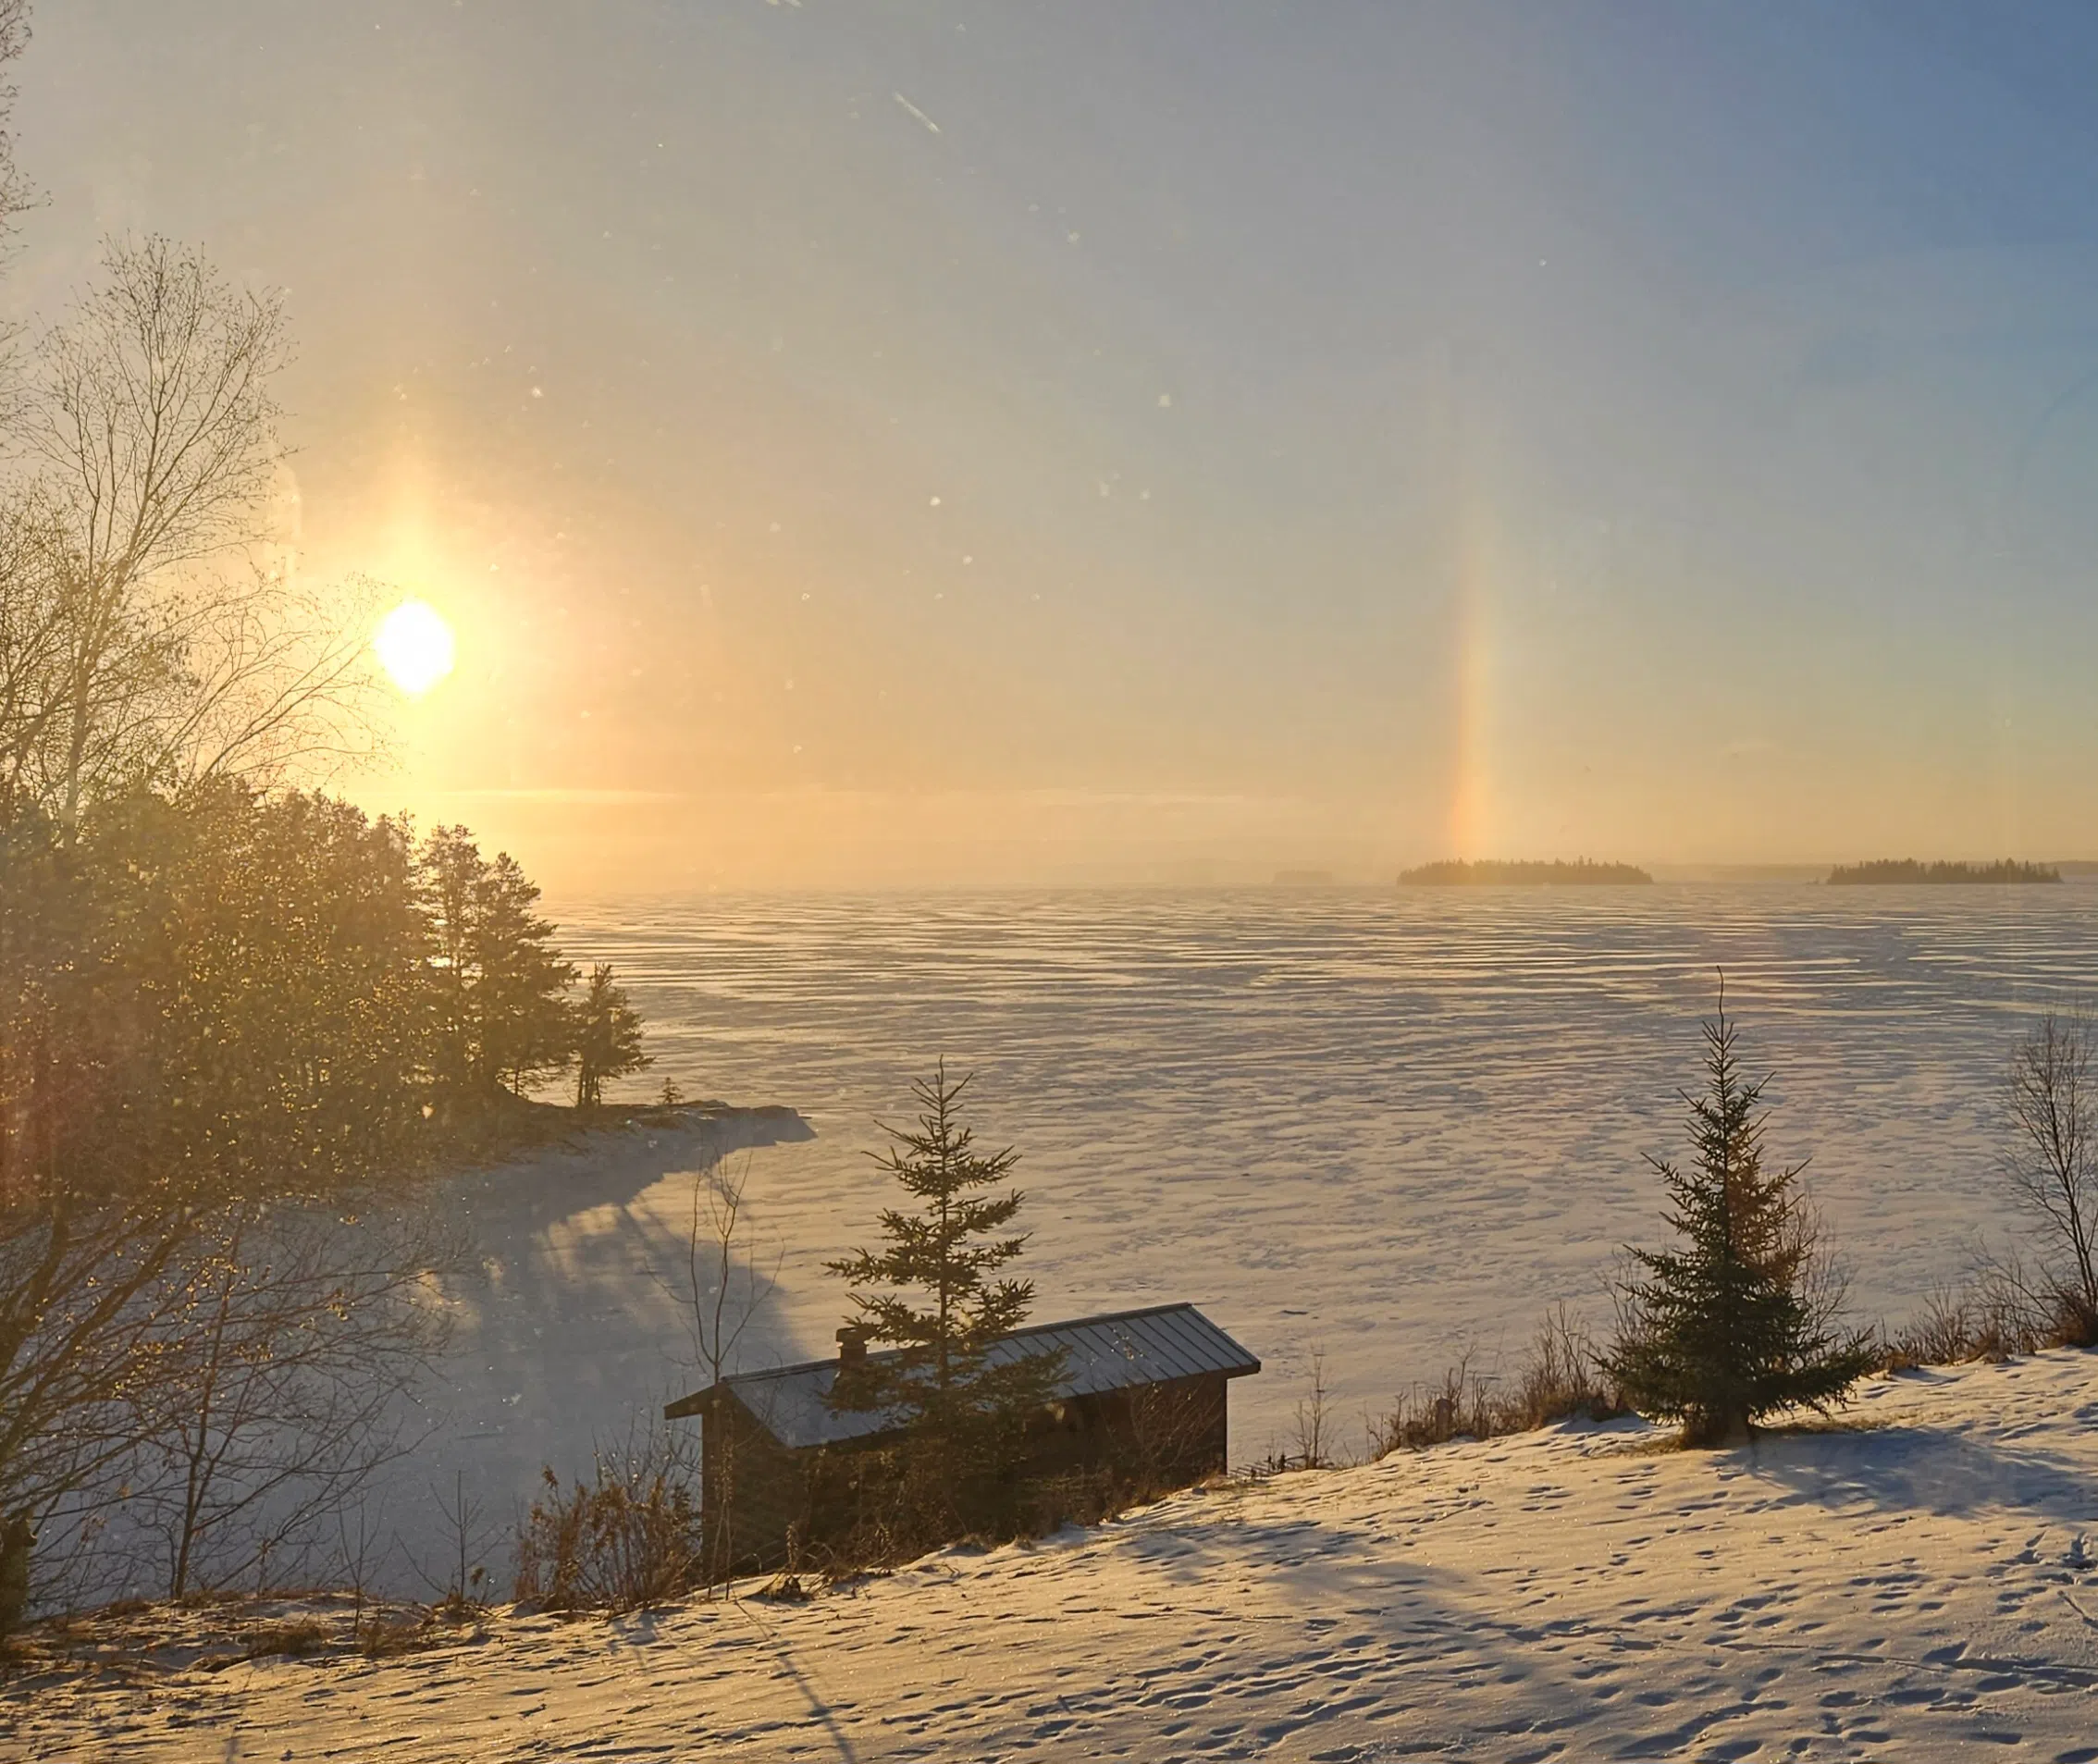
point(147, 634)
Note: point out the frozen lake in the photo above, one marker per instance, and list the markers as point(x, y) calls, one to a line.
point(1390, 1127)
point(1391, 1123)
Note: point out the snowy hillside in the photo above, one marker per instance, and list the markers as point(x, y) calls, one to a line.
point(1921, 1584)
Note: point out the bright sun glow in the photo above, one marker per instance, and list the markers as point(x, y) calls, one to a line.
point(414, 645)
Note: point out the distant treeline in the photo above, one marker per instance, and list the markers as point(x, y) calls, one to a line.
point(1906, 869)
point(1581, 872)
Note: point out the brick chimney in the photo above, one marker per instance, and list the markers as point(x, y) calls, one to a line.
point(852, 1345)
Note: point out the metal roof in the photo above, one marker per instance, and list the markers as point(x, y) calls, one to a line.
point(1115, 1351)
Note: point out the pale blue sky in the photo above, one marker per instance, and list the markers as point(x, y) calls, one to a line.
point(1658, 431)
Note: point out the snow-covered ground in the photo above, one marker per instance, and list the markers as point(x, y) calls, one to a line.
point(1921, 1584)
point(570, 1330)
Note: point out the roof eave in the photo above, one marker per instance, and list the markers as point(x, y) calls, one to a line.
point(698, 1403)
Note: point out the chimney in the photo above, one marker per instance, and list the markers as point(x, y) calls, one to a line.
point(852, 1345)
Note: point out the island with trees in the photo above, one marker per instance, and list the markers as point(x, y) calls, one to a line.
point(1907, 871)
point(1487, 874)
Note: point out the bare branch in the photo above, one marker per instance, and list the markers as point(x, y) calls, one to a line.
point(142, 636)
point(2051, 1099)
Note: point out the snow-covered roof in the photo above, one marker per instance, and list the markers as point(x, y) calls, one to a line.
point(1115, 1351)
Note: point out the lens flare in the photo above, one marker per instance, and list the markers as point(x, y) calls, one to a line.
point(414, 646)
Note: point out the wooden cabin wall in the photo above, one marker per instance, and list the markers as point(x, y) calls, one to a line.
point(765, 1499)
point(753, 1491)
point(1166, 1435)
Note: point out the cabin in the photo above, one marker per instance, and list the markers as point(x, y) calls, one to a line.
point(1145, 1392)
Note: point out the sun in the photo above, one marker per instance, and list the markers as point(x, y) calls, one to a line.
point(414, 647)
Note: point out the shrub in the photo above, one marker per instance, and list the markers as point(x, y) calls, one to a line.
point(384, 1641)
point(1562, 1379)
point(628, 1539)
point(1983, 1320)
point(1999, 1311)
point(2075, 1321)
point(1460, 1407)
point(2051, 1167)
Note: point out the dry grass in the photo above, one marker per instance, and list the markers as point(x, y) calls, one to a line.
point(1562, 1379)
point(387, 1640)
point(625, 1540)
point(1999, 1313)
point(134, 1641)
point(302, 1636)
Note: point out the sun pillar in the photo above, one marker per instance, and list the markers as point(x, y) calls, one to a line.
point(1471, 829)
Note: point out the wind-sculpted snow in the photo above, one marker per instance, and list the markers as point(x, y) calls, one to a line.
point(1393, 1124)
point(1918, 1584)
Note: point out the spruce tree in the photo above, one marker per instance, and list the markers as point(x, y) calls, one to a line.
point(500, 1012)
point(1727, 1328)
point(934, 1296)
point(607, 1038)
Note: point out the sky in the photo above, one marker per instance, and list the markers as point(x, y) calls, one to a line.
point(866, 443)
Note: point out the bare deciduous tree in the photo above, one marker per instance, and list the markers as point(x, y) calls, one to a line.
point(203, 1016)
point(33, 645)
point(725, 1287)
point(89, 1319)
point(15, 191)
point(468, 1532)
point(147, 637)
point(305, 1328)
point(2050, 1096)
point(1312, 1422)
point(209, 1385)
point(355, 1534)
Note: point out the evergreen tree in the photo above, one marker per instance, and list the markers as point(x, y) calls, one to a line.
point(931, 1294)
point(1728, 1327)
point(607, 1038)
point(500, 985)
point(208, 1029)
point(527, 1029)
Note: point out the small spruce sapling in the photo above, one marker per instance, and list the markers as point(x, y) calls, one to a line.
point(1740, 1320)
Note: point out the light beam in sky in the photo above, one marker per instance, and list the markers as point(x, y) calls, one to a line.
point(1472, 828)
point(414, 646)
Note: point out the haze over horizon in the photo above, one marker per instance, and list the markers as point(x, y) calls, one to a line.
point(958, 442)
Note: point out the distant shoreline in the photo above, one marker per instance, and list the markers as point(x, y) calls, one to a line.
point(1906, 872)
point(1581, 873)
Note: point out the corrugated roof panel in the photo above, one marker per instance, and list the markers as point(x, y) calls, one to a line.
point(1181, 1343)
point(1194, 1339)
point(1115, 1351)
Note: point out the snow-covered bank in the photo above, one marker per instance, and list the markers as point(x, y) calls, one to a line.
point(567, 1330)
point(1919, 1584)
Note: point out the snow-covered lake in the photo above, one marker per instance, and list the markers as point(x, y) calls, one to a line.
point(1388, 1126)
point(1391, 1123)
